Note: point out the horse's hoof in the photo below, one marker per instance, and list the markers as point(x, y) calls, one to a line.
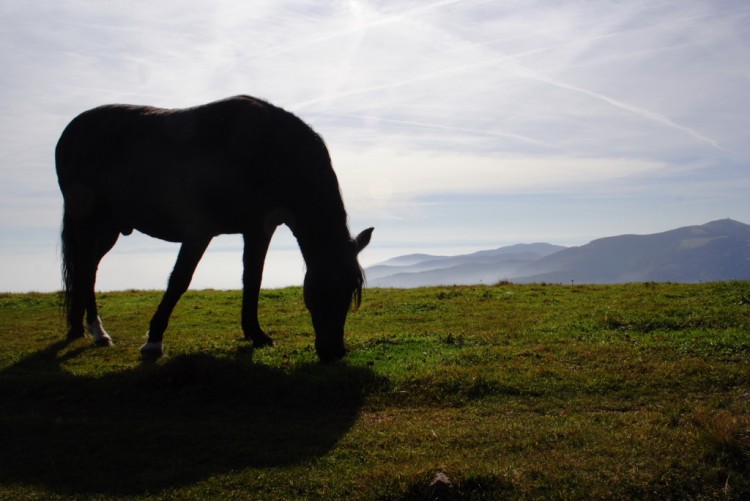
point(152, 351)
point(262, 342)
point(96, 329)
point(260, 339)
point(73, 335)
point(104, 342)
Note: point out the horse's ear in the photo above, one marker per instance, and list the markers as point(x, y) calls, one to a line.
point(363, 239)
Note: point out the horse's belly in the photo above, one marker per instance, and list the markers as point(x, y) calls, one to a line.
point(179, 218)
point(174, 201)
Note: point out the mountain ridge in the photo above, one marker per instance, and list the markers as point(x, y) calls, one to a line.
point(715, 251)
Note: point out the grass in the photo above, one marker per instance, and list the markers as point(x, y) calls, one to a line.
point(512, 391)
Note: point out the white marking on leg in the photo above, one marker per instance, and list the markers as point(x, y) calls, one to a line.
point(96, 329)
point(152, 349)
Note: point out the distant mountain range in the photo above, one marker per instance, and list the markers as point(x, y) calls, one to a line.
point(716, 251)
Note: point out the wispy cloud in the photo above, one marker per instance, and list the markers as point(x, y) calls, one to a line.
point(443, 100)
point(439, 126)
point(643, 113)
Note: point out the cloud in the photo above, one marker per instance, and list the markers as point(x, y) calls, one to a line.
point(385, 180)
point(532, 92)
point(417, 101)
point(644, 113)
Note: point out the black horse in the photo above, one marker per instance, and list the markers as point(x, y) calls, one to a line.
point(240, 165)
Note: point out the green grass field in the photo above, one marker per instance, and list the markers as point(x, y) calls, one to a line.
point(512, 391)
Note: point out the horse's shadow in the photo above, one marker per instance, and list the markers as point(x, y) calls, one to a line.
point(167, 425)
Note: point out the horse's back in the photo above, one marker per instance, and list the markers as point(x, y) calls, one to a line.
point(172, 168)
point(91, 137)
point(246, 121)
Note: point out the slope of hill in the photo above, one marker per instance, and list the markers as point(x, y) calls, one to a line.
point(719, 250)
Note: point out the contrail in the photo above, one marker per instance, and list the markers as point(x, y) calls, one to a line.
point(428, 125)
point(445, 71)
point(524, 72)
point(355, 29)
point(644, 113)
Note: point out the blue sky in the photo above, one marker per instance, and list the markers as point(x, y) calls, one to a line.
point(453, 125)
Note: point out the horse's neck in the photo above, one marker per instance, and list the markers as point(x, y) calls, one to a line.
point(321, 236)
point(320, 220)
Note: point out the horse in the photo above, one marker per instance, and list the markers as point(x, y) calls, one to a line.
point(236, 166)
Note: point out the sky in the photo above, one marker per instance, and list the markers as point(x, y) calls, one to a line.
point(454, 126)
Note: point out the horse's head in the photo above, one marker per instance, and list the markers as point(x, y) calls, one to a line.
point(331, 288)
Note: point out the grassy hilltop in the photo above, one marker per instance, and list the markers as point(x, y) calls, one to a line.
point(511, 391)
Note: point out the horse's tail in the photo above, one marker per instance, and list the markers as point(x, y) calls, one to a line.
point(67, 237)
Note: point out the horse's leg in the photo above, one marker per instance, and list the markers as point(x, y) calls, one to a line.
point(77, 258)
point(256, 247)
point(70, 238)
point(85, 241)
point(105, 237)
point(179, 281)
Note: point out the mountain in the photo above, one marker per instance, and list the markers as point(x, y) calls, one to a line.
point(719, 250)
point(489, 266)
